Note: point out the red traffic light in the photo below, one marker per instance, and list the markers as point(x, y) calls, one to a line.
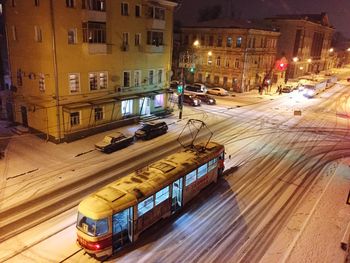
point(281, 64)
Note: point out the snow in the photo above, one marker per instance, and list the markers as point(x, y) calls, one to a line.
point(311, 231)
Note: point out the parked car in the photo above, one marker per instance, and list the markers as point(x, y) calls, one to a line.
point(202, 87)
point(114, 141)
point(287, 89)
point(191, 99)
point(151, 130)
point(190, 88)
point(217, 91)
point(207, 99)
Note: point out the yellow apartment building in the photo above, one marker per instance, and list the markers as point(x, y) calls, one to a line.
point(79, 67)
point(234, 54)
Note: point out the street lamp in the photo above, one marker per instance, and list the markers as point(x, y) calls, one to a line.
point(295, 59)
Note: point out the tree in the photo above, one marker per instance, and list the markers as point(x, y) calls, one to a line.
point(209, 13)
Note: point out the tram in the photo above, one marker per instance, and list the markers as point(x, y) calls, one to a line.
point(115, 215)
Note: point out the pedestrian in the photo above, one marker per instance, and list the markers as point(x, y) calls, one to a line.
point(260, 90)
point(280, 91)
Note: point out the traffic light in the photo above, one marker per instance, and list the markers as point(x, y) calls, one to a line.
point(179, 88)
point(192, 69)
point(281, 64)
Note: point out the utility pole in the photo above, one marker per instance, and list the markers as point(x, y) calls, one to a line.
point(181, 101)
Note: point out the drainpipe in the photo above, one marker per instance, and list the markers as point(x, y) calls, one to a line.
point(54, 56)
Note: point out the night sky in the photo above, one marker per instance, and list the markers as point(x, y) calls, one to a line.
point(338, 10)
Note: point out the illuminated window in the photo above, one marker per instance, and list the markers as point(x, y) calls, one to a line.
point(94, 32)
point(74, 118)
point(93, 81)
point(144, 206)
point(212, 164)
point(190, 178)
point(201, 171)
point(162, 195)
point(125, 39)
point(229, 42)
point(158, 100)
point(127, 107)
point(239, 42)
point(124, 9)
point(74, 82)
point(210, 59)
point(102, 80)
point(156, 12)
point(97, 5)
point(154, 38)
point(218, 61)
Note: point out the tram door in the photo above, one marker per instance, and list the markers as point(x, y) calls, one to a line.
point(176, 201)
point(122, 228)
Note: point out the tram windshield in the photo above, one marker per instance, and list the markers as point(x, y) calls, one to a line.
point(92, 227)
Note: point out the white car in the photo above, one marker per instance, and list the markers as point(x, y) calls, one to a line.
point(217, 91)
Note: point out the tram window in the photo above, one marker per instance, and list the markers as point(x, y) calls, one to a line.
point(145, 206)
point(202, 170)
point(212, 164)
point(162, 195)
point(191, 177)
point(92, 227)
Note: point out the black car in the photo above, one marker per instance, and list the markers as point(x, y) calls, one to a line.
point(113, 142)
point(191, 100)
point(151, 130)
point(207, 99)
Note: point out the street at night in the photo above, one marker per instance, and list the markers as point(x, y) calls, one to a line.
point(283, 195)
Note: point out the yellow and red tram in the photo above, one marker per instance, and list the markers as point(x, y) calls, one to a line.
point(116, 214)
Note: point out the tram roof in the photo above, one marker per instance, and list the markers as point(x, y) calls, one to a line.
point(133, 188)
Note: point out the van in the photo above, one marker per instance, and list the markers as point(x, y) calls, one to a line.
point(195, 89)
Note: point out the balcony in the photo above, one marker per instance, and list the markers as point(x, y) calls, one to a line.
point(153, 23)
point(92, 15)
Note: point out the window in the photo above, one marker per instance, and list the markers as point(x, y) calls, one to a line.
point(74, 82)
point(137, 78)
point(14, 33)
point(190, 178)
point(124, 9)
point(127, 107)
point(41, 82)
point(144, 206)
point(97, 5)
point(92, 227)
point(36, 2)
point(200, 77)
point(70, 3)
point(236, 63)
point(160, 76)
point(93, 81)
point(156, 12)
point(159, 101)
point(218, 61)
point(211, 41)
point(102, 80)
point(72, 36)
point(207, 78)
point(74, 118)
point(137, 39)
point(94, 32)
point(227, 62)
point(125, 39)
point(216, 80)
point(210, 59)
point(137, 10)
point(19, 77)
point(212, 164)
point(229, 42)
point(126, 79)
point(162, 195)
point(154, 38)
point(150, 77)
point(202, 40)
point(202, 170)
point(99, 114)
point(38, 35)
point(219, 43)
point(239, 42)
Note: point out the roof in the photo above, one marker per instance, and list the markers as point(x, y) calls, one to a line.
point(230, 23)
point(315, 18)
point(129, 190)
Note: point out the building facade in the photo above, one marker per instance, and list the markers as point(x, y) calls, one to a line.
point(83, 66)
point(305, 41)
point(235, 55)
